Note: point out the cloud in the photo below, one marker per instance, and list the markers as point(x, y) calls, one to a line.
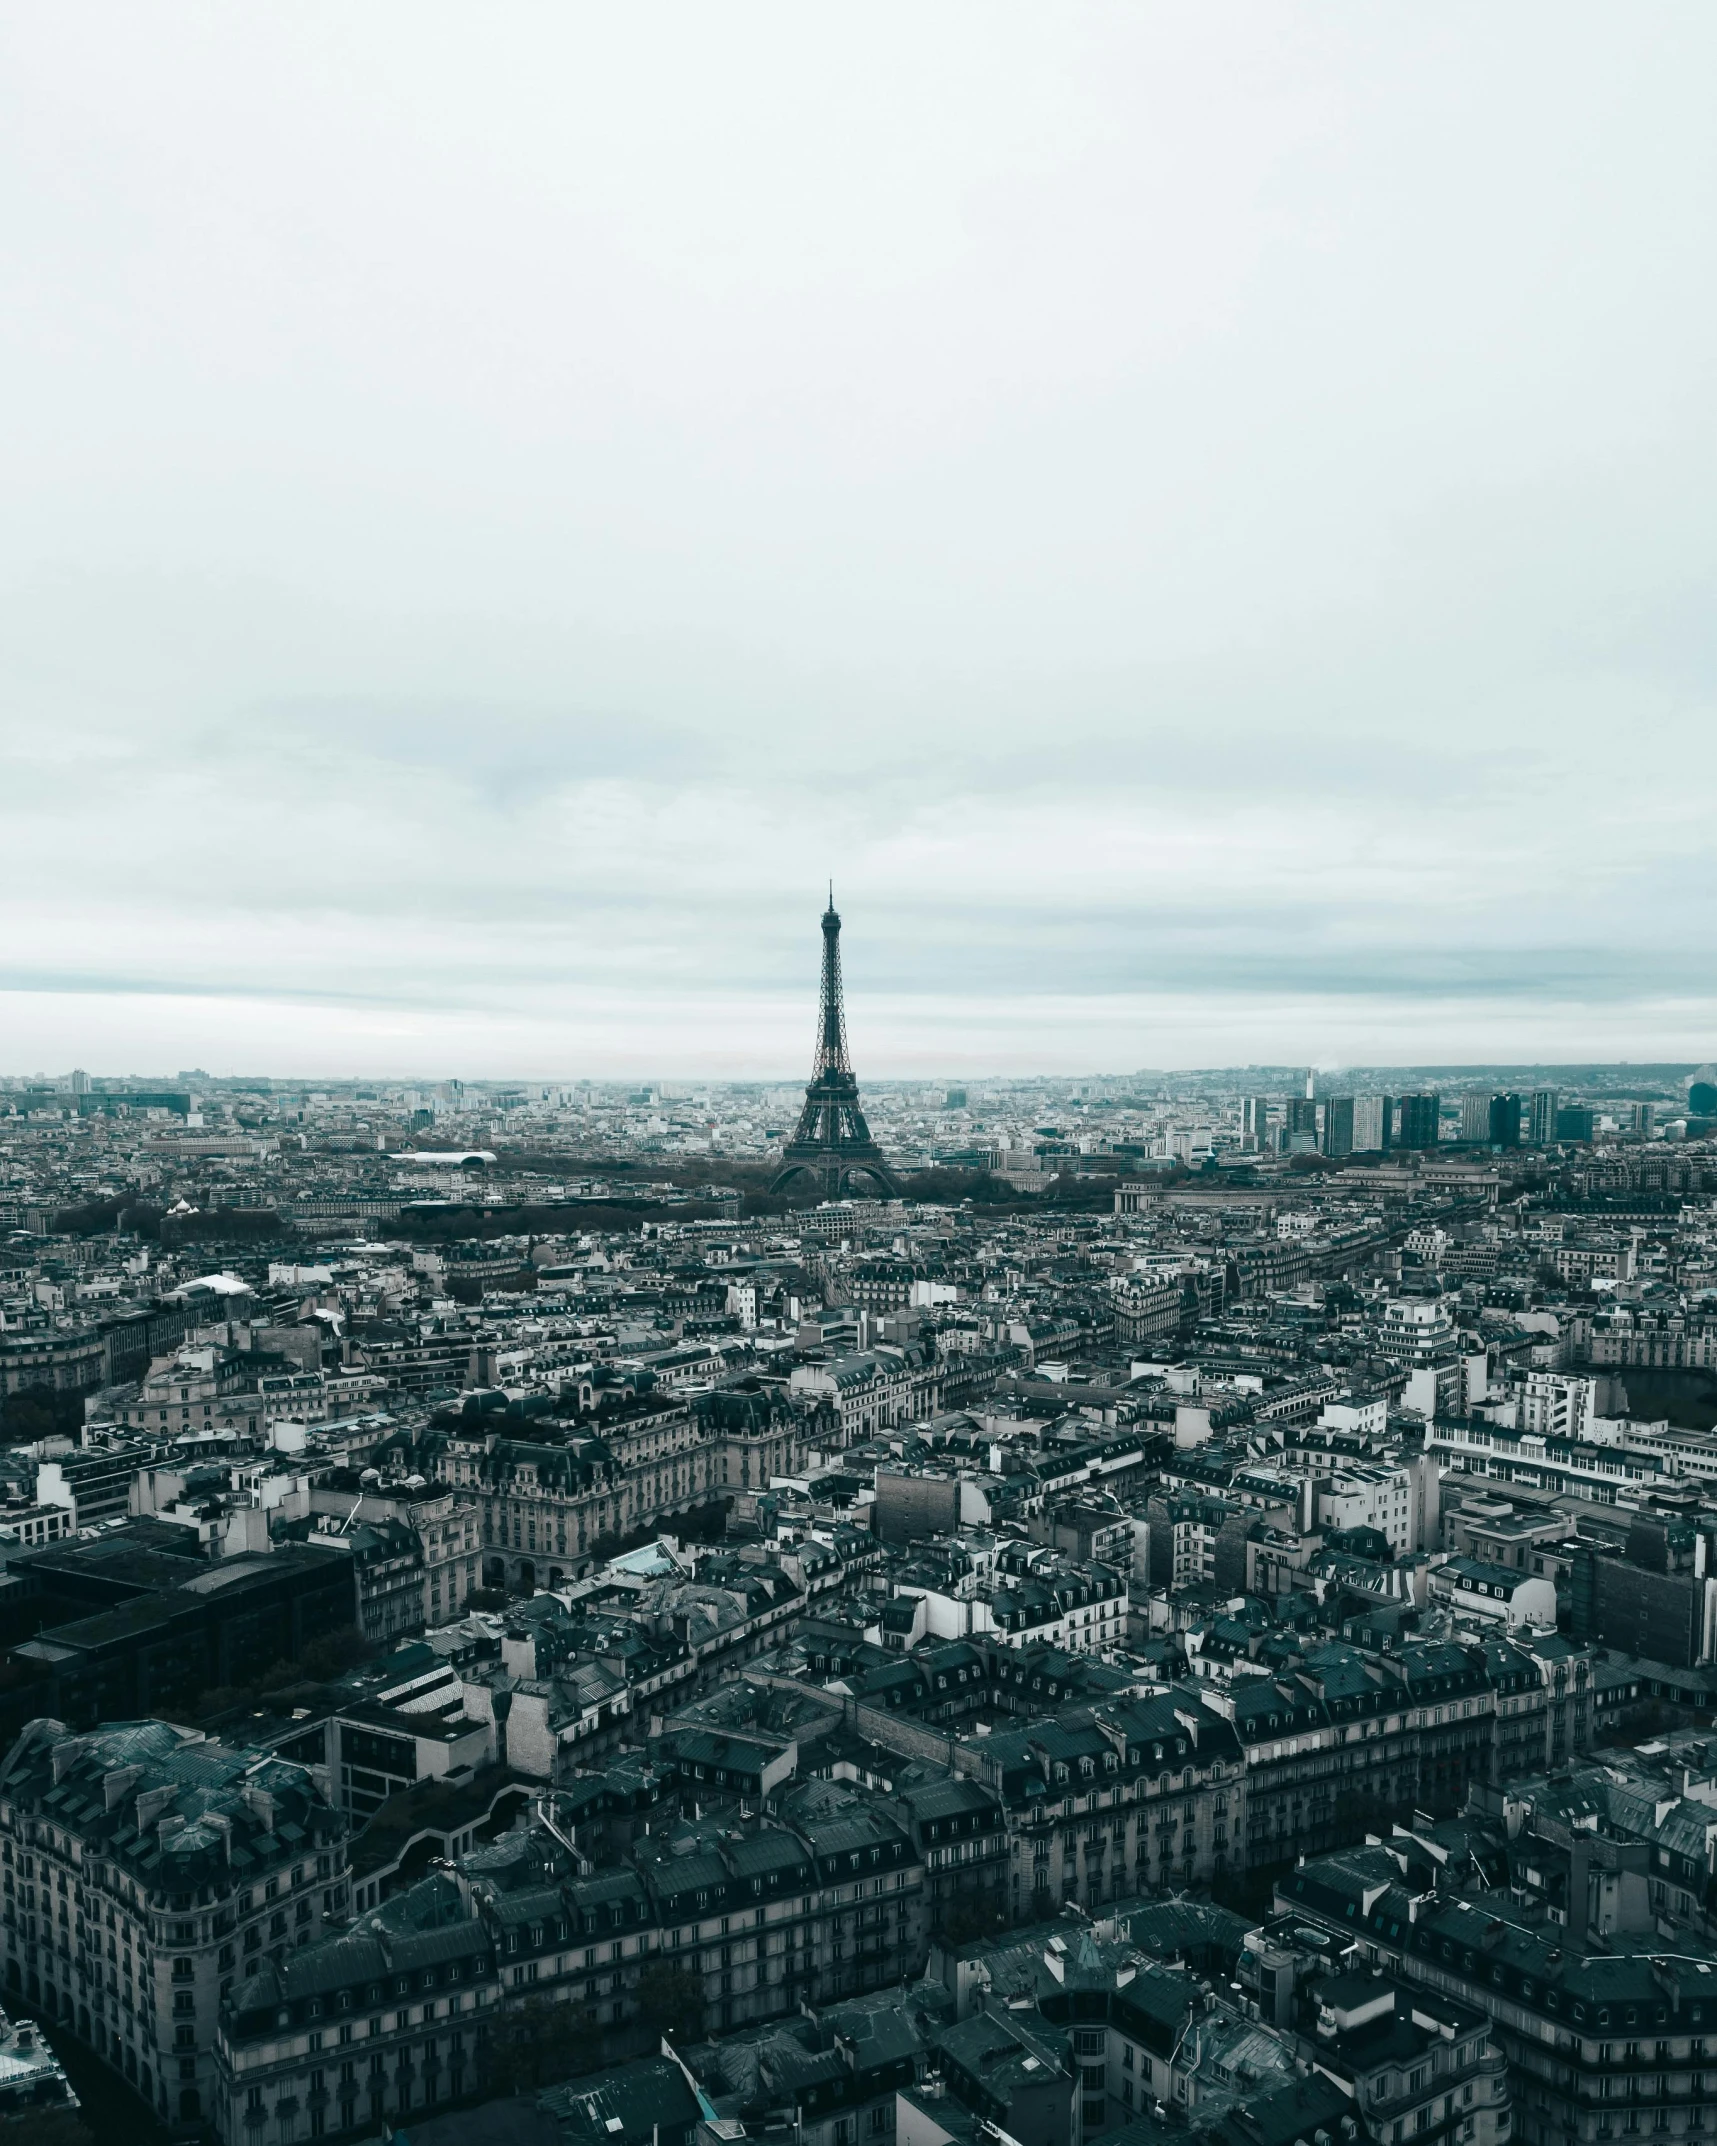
point(1201, 526)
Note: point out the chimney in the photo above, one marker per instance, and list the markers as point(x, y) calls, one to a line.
point(152, 1802)
point(259, 1803)
point(1579, 1889)
point(503, 1706)
point(116, 1782)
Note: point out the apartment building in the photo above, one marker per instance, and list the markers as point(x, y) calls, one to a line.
point(92, 1482)
point(1351, 1736)
point(386, 2019)
point(446, 1524)
point(873, 1391)
point(1602, 2041)
point(1554, 1404)
point(1032, 1595)
point(544, 1506)
point(1197, 1542)
point(1419, 2069)
point(144, 1869)
point(1107, 1802)
point(1389, 1497)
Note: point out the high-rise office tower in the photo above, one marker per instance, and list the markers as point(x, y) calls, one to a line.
point(1311, 1083)
point(1302, 1114)
point(1338, 1125)
point(1255, 1123)
point(1373, 1127)
point(1574, 1122)
point(1541, 1118)
point(1475, 1117)
point(1505, 1121)
point(1419, 1116)
point(1645, 1119)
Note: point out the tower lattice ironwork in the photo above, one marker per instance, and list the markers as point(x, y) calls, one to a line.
point(831, 1142)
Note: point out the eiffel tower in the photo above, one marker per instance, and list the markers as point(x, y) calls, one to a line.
point(831, 1143)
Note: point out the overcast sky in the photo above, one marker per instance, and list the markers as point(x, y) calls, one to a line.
point(1199, 518)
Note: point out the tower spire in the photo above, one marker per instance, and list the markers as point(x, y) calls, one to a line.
point(831, 1056)
point(832, 1143)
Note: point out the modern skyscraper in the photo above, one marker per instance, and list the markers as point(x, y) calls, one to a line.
point(1338, 1125)
point(1475, 1116)
point(1373, 1124)
point(1505, 1114)
point(1541, 1118)
point(832, 1142)
point(1302, 1115)
point(1255, 1123)
point(1419, 1116)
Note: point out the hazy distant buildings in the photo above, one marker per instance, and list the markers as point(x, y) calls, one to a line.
point(1500, 1121)
point(1541, 1117)
point(1338, 1125)
point(1505, 1117)
point(1373, 1126)
point(1419, 1116)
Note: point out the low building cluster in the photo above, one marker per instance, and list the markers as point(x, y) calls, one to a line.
point(880, 1645)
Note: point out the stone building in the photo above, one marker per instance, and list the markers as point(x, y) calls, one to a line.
point(822, 1903)
point(446, 1522)
point(144, 1869)
point(1603, 2041)
point(546, 1506)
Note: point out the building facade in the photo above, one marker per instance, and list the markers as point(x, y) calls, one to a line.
point(143, 1869)
point(393, 2016)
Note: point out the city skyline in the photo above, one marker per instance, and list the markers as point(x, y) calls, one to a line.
point(1073, 1503)
point(1287, 1075)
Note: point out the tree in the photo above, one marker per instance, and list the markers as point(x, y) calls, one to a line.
point(971, 1916)
point(333, 1653)
point(51, 2125)
point(537, 2042)
point(42, 1412)
point(671, 1998)
point(329, 1655)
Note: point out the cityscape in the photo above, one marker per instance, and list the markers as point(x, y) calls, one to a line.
point(858, 1075)
point(1039, 1611)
